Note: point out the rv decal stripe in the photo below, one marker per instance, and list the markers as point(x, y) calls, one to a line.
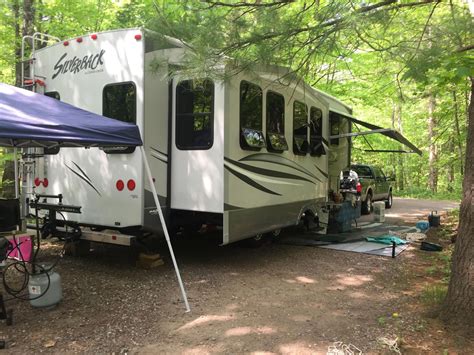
point(160, 159)
point(250, 182)
point(268, 172)
point(82, 171)
point(322, 172)
point(156, 150)
point(228, 207)
point(275, 159)
point(83, 178)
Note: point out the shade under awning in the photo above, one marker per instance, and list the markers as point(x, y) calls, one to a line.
point(28, 119)
point(390, 133)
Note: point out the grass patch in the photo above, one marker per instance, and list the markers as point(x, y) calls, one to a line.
point(434, 294)
point(416, 192)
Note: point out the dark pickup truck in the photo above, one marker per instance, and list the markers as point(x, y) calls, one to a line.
point(374, 186)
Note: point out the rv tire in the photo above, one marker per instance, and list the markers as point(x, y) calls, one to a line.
point(256, 241)
point(275, 233)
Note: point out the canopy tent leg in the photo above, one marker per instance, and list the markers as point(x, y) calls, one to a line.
point(165, 229)
point(15, 160)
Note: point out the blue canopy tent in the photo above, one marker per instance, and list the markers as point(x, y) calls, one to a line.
point(29, 120)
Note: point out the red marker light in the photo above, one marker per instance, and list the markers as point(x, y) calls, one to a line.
point(359, 188)
point(94, 36)
point(37, 182)
point(45, 182)
point(79, 40)
point(131, 184)
point(120, 185)
point(66, 43)
point(138, 37)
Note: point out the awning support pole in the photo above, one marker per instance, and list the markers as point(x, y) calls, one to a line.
point(15, 160)
point(165, 229)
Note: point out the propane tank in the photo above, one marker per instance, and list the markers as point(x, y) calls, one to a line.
point(42, 295)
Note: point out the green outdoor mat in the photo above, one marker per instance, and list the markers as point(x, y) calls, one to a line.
point(386, 239)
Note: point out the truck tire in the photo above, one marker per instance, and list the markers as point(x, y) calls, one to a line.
point(367, 204)
point(389, 201)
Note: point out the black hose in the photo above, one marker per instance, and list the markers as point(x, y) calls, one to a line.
point(21, 266)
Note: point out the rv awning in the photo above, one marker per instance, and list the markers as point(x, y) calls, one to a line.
point(28, 119)
point(390, 133)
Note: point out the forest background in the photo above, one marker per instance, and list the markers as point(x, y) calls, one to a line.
point(405, 67)
point(403, 64)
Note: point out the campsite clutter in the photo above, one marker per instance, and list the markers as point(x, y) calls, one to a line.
point(376, 237)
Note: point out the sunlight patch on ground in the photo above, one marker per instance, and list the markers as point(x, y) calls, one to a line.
point(204, 320)
point(305, 280)
point(359, 295)
point(240, 331)
point(300, 348)
point(301, 280)
point(353, 280)
point(196, 351)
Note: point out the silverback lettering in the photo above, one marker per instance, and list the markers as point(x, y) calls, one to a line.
point(75, 65)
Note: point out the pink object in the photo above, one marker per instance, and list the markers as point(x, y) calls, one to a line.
point(26, 248)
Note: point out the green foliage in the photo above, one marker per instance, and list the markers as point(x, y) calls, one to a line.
point(381, 58)
point(425, 193)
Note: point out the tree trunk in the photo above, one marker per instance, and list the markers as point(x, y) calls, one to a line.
point(16, 26)
point(458, 132)
point(28, 17)
point(401, 169)
point(450, 172)
point(433, 158)
point(459, 303)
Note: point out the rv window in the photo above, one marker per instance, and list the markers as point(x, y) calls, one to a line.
point(300, 128)
point(276, 122)
point(251, 106)
point(194, 114)
point(53, 94)
point(119, 101)
point(316, 131)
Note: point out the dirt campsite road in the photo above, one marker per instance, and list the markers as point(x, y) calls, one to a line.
point(408, 210)
point(277, 299)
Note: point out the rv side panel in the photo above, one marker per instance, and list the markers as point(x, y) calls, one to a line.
point(104, 76)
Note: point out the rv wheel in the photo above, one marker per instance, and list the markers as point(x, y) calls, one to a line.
point(275, 233)
point(256, 241)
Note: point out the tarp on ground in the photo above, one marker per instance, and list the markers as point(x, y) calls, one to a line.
point(28, 119)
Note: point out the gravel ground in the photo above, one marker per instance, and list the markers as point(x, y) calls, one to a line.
point(274, 299)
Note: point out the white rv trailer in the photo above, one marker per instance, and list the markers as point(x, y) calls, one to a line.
point(251, 153)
